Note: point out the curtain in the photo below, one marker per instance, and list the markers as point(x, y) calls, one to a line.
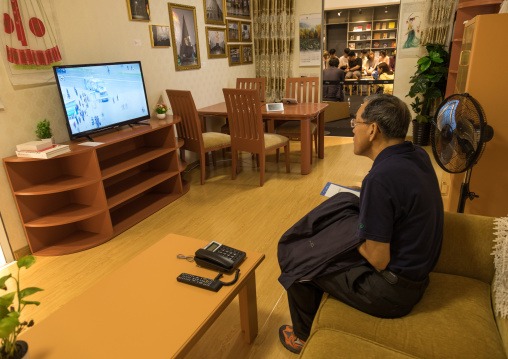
point(439, 18)
point(274, 36)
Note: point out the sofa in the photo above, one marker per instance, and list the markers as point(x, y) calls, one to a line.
point(454, 319)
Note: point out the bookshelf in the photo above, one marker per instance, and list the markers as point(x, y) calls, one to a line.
point(373, 28)
point(89, 195)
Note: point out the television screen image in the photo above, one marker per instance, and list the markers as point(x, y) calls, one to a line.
point(96, 97)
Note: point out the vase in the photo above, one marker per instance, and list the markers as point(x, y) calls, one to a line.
point(421, 133)
point(23, 349)
point(162, 118)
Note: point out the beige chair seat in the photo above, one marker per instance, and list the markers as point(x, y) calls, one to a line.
point(215, 139)
point(293, 128)
point(273, 140)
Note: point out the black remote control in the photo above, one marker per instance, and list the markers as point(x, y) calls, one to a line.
point(200, 282)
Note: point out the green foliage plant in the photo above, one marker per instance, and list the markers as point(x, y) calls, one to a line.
point(429, 81)
point(43, 130)
point(10, 310)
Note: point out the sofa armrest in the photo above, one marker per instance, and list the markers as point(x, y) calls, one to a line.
point(467, 246)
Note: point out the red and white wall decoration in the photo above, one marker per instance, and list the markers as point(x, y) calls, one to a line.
point(29, 40)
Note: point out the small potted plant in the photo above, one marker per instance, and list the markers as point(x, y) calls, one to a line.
point(11, 306)
point(43, 131)
point(161, 110)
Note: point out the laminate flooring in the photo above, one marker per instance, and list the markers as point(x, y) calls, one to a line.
point(238, 213)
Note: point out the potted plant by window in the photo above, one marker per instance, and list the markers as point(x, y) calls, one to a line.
point(428, 89)
point(43, 131)
point(11, 306)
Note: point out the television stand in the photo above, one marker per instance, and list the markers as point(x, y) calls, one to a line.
point(89, 138)
point(139, 123)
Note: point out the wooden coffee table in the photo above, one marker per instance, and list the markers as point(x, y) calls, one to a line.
point(141, 311)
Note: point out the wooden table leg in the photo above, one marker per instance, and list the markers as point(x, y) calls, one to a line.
point(306, 146)
point(321, 135)
point(249, 309)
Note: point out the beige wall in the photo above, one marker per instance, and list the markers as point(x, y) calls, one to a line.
point(100, 31)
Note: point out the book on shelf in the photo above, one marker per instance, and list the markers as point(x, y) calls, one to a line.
point(378, 26)
point(363, 37)
point(369, 26)
point(352, 37)
point(360, 27)
point(355, 28)
point(391, 25)
point(53, 151)
point(34, 145)
point(377, 35)
point(375, 44)
point(394, 43)
point(352, 45)
point(385, 35)
point(383, 26)
point(358, 37)
point(391, 35)
point(385, 45)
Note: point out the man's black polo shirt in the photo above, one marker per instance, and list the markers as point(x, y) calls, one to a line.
point(400, 204)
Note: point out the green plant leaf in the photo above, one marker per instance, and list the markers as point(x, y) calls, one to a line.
point(424, 66)
point(422, 60)
point(4, 310)
point(3, 280)
point(432, 92)
point(28, 291)
point(7, 326)
point(6, 300)
point(29, 302)
point(422, 119)
point(26, 261)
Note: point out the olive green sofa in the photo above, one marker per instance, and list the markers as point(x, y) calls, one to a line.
point(454, 319)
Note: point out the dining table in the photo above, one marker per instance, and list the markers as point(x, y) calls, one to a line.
point(303, 112)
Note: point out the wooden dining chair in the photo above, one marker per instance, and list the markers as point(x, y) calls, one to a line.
point(303, 89)
point(189, 129)
point(246, 124)
point(248, 83)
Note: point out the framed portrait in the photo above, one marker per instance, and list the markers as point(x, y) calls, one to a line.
point(139, 10)
point(234, 55)
point(247, 55)
point(246, 31)
point(159, 35)
point(238, 8)
point(184, 33)
point(233, 30)
point(216, 42)
point(214, 11)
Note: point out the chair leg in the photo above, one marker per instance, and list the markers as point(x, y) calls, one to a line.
point(182, 154)
point(202, 165)
point(214, 158)
point(234, 158)
point(286, 153)
point(257, 160)
point(262, 160)
point(277, 155)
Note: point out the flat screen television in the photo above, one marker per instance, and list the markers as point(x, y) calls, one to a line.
point(96, 97)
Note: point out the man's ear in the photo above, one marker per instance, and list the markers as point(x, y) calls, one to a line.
point(374, 131)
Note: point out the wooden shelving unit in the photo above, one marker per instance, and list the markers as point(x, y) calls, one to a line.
point(84, 198)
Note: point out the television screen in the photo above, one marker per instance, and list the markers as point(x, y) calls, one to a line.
point(96, 97)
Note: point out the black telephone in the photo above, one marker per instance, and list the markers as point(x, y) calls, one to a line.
point(219, 257)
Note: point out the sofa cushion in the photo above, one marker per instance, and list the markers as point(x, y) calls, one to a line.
point(332, 343)
point(454, 319)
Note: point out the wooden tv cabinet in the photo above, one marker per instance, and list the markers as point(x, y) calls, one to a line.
point(89, 195)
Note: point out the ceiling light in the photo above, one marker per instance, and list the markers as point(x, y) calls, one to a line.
point(340, 12)
point(386, 9)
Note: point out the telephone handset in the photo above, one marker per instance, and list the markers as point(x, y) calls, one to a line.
point(219, 257)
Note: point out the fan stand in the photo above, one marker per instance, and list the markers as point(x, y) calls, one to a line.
point(465, 193)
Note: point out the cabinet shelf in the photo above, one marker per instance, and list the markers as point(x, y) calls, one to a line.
point(359, 31)
point(385, 30)
point(73, 212)
point(75, 242)
point(131, 159)
point(62, 183)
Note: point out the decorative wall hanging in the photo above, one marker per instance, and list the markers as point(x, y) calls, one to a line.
point(233, 30)
point(310, 37)
point(247, 56)
point(159, 35)
point(246, 28)
point(238, 8)
point(139, 10)
point(214, 11)
point(184, 33)
point(234, 55)
point(216, 42)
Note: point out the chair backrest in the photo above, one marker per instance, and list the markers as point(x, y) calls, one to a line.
point(304, 89)
point(252, 83)
point(189, 127)
point(245, 120)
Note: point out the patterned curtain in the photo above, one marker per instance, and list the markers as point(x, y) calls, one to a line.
point(274, 37)
point(438, 21)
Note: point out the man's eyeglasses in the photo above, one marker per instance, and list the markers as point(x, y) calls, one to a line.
point(354, 123)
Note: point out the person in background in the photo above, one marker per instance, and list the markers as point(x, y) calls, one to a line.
point(343, 60)
point(370, 64)
point(385, 74)
point(326, 58)
point(392, 60)
point(354, 70)
point(333, 92)
point(383, 57)
point(364, 58)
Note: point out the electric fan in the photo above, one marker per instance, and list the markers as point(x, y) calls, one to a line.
point(458, 134)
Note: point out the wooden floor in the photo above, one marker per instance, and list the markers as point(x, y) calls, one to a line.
point(237, 213)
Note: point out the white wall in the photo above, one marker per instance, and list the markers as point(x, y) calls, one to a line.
point(346, 4)
point(100, 31)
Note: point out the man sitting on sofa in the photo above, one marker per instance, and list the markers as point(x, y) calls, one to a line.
point(400, 227)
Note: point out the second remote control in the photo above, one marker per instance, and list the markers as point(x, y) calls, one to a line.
point(200, 282)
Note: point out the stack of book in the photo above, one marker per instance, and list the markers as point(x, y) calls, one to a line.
point(40, 149)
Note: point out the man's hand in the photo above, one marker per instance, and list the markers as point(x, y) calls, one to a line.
point(376, 253)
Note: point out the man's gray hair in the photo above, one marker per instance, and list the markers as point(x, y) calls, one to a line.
point(390, 113)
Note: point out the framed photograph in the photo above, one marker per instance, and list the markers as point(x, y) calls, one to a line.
point(216, 42)
point(246, 28)
point(159, 35)
point(233, 30)
point(234, 55)
point(247, 55)
point(214, 11)
point(238, 8)
point(184, 33)
point(139, 10)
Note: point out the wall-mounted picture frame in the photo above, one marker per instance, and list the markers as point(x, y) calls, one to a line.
point(234, 55)
point(214, 11)
point(139, 10)
point(238, 8)
point(246, 31)
point(159, 34)
point(233, 30)
point(247, 54)
point(184, 33)
point(216, 42)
